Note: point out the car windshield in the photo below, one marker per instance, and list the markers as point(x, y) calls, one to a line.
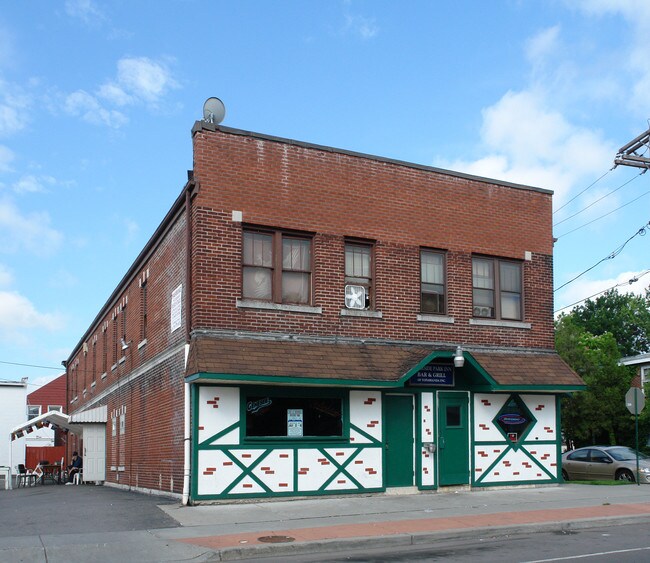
point(624, 454)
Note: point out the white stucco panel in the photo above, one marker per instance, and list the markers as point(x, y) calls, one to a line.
point(486, 407)
point(215, 472)
point(366, 468)
point(276, 471)
point(513, 467)
point(542, 407)
point(546, 456)
point(427, 417)
point(365, 413)
point(428, 477)
point(313, 469)
point(218, 409)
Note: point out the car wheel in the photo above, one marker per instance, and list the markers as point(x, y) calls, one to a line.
point(625, 475)
point(565, 475)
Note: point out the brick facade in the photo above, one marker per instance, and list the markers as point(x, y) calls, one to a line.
point(330, 195)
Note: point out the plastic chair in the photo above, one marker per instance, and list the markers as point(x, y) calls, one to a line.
point(77, 477)
point(25, 477)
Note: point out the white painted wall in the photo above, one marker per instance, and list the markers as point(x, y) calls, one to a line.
point(13, 411)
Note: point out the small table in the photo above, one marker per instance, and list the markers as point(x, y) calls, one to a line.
point(51, 471)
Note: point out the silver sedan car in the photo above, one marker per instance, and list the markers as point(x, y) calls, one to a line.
point(605, 462)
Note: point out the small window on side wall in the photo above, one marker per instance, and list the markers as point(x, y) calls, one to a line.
point(33, 411)
point(432, 282)
point(497, 289)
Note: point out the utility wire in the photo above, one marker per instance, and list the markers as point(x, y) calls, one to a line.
point(629, 282)
point(583, 191)
point(599, 199)
point(610, 256)
point(29, 365)
point(602, 216)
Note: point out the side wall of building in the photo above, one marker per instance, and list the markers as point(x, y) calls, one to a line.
point(133, 362)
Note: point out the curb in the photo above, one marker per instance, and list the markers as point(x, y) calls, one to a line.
point(332, 546)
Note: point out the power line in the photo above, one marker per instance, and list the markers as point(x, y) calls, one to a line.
point(610, 256)
point(583, 191)
point(629, 282)
point(602, 216)
point(29, 365)
point(599, 199)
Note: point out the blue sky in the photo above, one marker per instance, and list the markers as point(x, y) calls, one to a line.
point(97, 100)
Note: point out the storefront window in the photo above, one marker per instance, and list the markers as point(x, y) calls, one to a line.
point(293, 417)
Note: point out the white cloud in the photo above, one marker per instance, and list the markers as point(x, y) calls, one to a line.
point(366, 28)
point(529, 142)
point(139, 80)
point(18, 313)
point(31, 233)
point(85, 10)
point(33, 184)
point(14, 107)
point(6, 158)
point(86, 106)
point(542, 45)
point(6, 276)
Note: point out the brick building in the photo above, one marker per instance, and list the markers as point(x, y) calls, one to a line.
point(308, 320)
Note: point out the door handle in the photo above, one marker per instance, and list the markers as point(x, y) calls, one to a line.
point(441, 442)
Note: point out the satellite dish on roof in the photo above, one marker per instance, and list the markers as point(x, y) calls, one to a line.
point(214, 111)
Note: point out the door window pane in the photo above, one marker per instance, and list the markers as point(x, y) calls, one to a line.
point(453, 416)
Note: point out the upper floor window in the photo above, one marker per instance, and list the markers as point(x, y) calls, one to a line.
point(33, 411)
point(497, 289)
point(276, 267)
point(432, 282)
point(57, 408)
point(359, 268)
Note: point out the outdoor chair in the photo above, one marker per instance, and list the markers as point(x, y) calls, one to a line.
point(77, 477)
point(25, 477)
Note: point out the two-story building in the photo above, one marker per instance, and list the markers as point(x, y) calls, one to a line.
point(308, 320)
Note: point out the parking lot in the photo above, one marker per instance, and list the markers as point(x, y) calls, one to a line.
point(58, 509)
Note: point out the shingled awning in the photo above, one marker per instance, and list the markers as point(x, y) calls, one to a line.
point(284, 361)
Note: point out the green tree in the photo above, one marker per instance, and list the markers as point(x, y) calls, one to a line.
point(626, 316)
point(598, 414)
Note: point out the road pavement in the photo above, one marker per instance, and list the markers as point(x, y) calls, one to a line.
point(89, 523)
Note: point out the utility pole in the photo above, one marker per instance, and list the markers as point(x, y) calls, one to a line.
point(627, 155)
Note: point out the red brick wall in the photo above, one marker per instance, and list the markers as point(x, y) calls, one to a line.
point(148, 387)
point(401, 208)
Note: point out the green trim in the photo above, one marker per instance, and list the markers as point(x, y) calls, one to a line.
point(364, 435)
point(340, 470)
point(218, 435)
point(247, 471)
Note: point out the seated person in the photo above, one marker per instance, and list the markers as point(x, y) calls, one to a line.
point(74, 467)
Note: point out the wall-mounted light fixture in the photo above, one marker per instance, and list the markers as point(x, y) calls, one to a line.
point(459, 359)
point(125, 344)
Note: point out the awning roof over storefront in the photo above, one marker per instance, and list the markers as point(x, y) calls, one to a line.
point(363, 364)
point(50, 419)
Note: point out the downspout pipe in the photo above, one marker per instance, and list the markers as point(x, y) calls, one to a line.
point(187, 410)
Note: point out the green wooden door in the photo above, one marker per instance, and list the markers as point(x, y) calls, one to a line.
point(398, 443)
point(453, 438)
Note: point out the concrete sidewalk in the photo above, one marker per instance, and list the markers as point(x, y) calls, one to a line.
point(143, 528)
point(238, 531)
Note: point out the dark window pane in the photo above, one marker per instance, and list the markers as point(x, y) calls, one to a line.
point(299, 416)
point(453, 416)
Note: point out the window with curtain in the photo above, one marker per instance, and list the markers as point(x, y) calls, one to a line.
point(432, 282)
point(276, 267)
point(359, 268)
point(497, 289)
